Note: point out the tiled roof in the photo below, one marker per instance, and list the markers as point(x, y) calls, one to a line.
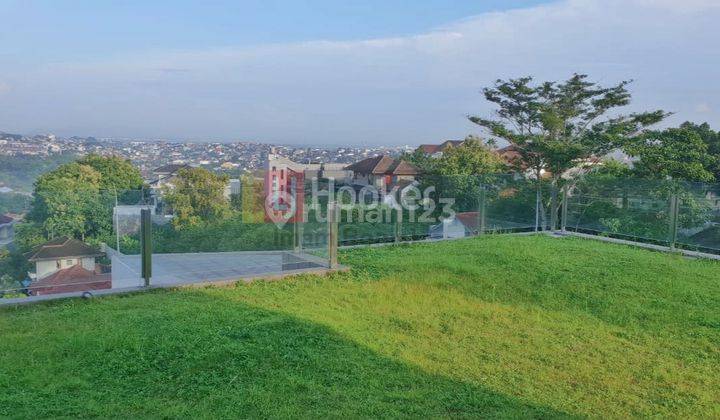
point(431, 149)
point(62, 247)
point(469, 219)
point(404, 168)
point(75, 278)
point(367, 166)
point(383, 165)
point(511, 155)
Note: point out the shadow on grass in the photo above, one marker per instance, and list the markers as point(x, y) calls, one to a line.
point(188, 354)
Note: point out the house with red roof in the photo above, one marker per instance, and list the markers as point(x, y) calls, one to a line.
point(436, 150)
point(66, 265)
point(383, 172)
point(72, 279)
point(462, 225)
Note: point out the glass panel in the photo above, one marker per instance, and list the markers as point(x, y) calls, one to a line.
point(628, 209)
point(511, 204)
point(699, 217)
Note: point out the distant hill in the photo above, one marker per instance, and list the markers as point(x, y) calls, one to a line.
point(20, 172)
point(8, 136)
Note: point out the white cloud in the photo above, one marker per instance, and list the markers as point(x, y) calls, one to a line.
point(397, 90)
point(703, 108)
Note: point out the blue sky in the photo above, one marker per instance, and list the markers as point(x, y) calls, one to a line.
point(56, 29)
point(334, 72)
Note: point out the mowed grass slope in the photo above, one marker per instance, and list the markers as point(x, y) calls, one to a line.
point(495, 326)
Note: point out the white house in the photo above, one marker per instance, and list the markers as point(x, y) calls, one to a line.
point(277, 164)
point(60, 254)
point(462, 225)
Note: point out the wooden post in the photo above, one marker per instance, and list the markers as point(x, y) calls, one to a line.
point(146, 244)
point(332, 217)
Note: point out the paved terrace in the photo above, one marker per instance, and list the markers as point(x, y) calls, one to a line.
point(178, 269)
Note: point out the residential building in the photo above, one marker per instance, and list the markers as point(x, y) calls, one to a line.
point(233, 187)
point(59, 254)
point(509, 154)
point(163, 178)
point(73, 279)
point(382, 172)
point(336, 171)
point(166, 175)
point(462, 225)
point(285, 183)
point(437, 150)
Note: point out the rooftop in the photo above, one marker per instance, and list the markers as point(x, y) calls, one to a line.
point(75, 278)
point(431, 149)
point(383, 165)
point(62, 247)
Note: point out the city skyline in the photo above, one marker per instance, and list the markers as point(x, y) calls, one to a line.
point(410, 77)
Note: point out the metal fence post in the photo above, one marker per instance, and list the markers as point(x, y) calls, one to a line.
point(398, 226)
point(146, 244)
point(673, 218)
point(481, 211)
point(537, 207)
point(298, 236)
point(301, 234)
point(332, 217)
point(564, 208)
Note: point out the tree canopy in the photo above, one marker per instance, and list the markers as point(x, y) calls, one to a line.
point(472, 157)
point(553, 125)
point(712, 139)
point(116, 173)
point(76, 198)
point(678, 153)
point(197, 197)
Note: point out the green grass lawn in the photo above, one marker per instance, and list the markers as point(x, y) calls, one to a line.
point(495, 326)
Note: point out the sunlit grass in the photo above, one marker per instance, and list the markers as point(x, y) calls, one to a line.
point(499, 325)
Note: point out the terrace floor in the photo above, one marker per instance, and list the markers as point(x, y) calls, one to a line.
point(511, 326)
point(187, 268)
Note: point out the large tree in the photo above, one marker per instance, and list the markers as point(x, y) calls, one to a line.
point(64, 199)
point(76, 199)
point(712, 139)
point(456, 174)
point(197, 197)
point(472, 157)
point(116, 173)
point(555, 126)
point(677, 153)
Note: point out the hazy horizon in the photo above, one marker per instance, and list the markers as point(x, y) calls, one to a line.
point(366, 73)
